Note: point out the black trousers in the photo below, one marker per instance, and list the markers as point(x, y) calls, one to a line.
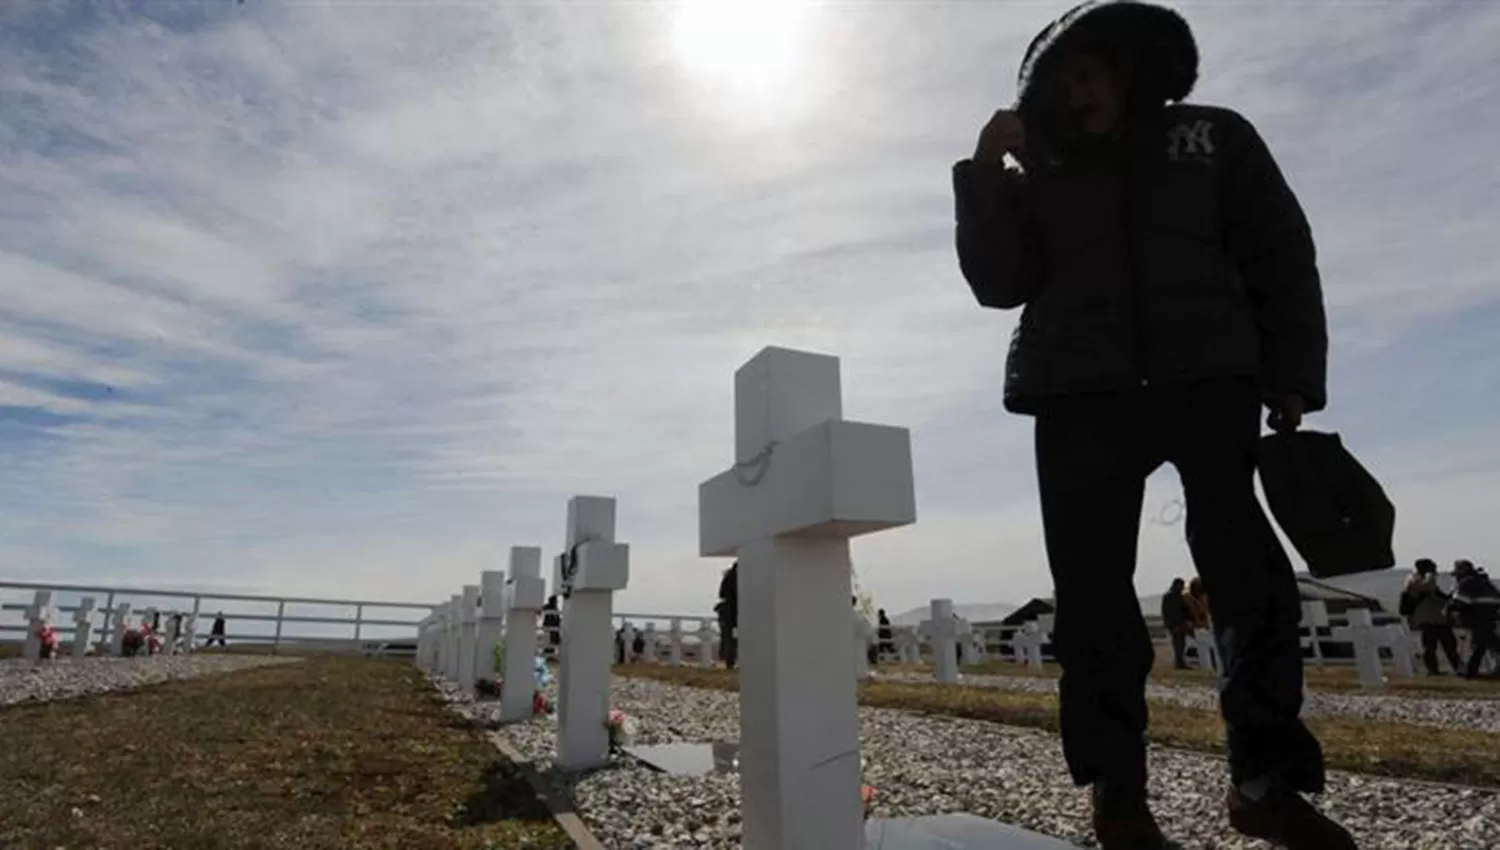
point(1093, 456)
point(729, 643)
point(1482, 640)
point(1433, 636)
point(1179, 649)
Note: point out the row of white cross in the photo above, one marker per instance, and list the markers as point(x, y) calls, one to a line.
point(41, 613)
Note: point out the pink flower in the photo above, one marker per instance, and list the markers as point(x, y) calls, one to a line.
point(867, 797)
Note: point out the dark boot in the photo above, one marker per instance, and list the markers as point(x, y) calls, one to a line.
point(1286, 819)
point(1124, 822)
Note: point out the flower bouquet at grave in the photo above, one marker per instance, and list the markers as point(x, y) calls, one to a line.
point(539, 704)
point(867, 798)
point(542, 672)
point(131, 643)
point(46, 635)
point(622, 728)
point(497, 659)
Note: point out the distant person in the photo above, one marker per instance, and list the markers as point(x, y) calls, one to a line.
point(176, 631)
point(1171, 291)
point(728, 609)
point(552, 621)
point(638, 646)
point(216, 634)
point(620, 645)
point(1424, 604)
point(885, 635)
point(1174, 617)
point(1195, 601)
point(1476, 601)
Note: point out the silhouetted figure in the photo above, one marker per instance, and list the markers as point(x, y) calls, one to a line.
point(728, 609)
point(885, 635)
point(1476, 601)
point(216, 633)
point(1171, 290)
point(1174, 616)
point(1424, 604)
point(552, 621)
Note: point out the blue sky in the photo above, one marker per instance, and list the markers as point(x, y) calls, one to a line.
point(345, 299)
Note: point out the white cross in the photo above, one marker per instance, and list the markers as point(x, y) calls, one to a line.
point(674, 651)
point(122, 625)
point(83, 626)
point(524, 597)
point(468, 637)
point(705, 643)
point(1362, 634)
point(1314, 617)
point(38, 615)
point(943, 632)
point(592, 569)
point(490, 629)
point(1403, 647)
point(804, 481)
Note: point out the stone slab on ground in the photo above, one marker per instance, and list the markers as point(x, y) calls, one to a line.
point(924, 765)
point(65, 678)
point(953, 832)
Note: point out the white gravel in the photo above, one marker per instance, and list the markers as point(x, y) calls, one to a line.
point(1478, 714)
point(930, 765)
point(64, 678)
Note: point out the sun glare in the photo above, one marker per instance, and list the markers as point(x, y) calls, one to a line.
point(752, 44)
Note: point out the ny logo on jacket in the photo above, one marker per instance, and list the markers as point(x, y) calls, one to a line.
point(1192, 142)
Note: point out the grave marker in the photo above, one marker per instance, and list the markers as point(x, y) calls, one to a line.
point(1361, 632)
point(122, 625)
point(627, 642)
point(468, 637)
point(1314, 617)
point(1403, 647)
point(491, 628)
point(674, 649)
point(83, 626)
point(706, 654)
point(453, 623)
point(804, 481)
point(943, 631)
point(38, 615)
point(524, 597)
point(649, 656)
point(588, 574)
point(863, 636)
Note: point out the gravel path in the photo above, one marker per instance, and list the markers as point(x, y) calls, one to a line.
point(64, 678)
point(1478, 714)
point(929, 765)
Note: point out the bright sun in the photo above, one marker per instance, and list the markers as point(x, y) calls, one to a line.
point(753, 44)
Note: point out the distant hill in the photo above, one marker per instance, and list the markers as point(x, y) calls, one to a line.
point(973, 613)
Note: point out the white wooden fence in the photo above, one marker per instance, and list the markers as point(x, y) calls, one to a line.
point(286, 629)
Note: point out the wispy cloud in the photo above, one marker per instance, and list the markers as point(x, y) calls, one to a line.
point(347, 297)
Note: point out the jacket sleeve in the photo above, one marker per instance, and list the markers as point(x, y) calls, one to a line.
point(1271, 244)
point(997, 251)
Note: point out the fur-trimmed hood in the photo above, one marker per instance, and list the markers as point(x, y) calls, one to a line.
point(1158, 41)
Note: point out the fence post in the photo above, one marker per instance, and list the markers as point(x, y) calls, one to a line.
point(359, 616)
point(280, 612)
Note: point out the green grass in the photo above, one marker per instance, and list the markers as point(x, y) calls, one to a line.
point(323, 754)
point(1373, 747)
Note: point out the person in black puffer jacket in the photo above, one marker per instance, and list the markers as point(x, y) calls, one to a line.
point(1170, 290)
point(1476, 603)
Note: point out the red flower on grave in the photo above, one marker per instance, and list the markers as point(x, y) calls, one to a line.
point(867, 797)
point(47, 636)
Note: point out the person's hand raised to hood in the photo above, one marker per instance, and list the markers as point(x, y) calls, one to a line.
point(1004, 133)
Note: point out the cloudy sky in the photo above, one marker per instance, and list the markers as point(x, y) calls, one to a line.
point(347, 298)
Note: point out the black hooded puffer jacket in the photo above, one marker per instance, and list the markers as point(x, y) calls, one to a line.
point(1178, 253)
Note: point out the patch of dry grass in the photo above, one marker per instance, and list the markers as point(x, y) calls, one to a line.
point(346, 753)
point(1373, 747)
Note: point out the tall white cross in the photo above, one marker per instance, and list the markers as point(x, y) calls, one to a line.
point(38, 615)
point(649, 635)
point(523, 599)
point(468, 636)
point(944, 631)
point(1314, 617)
point(706, 654)
point(491, 627)
point(122, 625)
point(588, 574)
point(83, 626)
point(1361, 632)
point(674, 642)
point(804, 482)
